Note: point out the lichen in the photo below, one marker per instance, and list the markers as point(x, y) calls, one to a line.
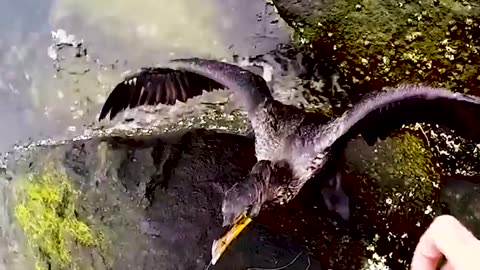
point(46, 212)
point(383, 43)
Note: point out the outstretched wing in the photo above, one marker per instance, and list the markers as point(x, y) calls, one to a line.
point(377, 115)
point(182, 80)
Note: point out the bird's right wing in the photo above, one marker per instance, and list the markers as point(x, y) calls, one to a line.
point(183, 80)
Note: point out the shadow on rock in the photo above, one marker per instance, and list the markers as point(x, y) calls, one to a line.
point(153, 201)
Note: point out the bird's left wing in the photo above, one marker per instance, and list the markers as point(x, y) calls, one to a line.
point(378, 114)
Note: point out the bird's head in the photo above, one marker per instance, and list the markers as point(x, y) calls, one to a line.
point(245, 199)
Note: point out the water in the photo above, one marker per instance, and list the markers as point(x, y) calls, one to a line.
point(37, 101)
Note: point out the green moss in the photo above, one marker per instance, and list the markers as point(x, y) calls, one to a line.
point(411, 161)
point(401, 170)
point(380, 43)
point(403, 164)
point(397, 185)
point(46, 212)
point(410, 157)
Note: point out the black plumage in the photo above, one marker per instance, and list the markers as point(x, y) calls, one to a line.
point(152, 86)
point(293, 145)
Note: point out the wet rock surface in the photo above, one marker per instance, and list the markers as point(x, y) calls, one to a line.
point(396, 189)
point(382, 43)
point(421, 171)
point(154, 200)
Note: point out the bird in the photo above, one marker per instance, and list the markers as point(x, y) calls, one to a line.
point(292, 145)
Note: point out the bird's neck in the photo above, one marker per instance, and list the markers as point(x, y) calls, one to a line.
point(273, 123)
point(278, 185)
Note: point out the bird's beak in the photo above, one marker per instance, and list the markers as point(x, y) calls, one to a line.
point(220, 245)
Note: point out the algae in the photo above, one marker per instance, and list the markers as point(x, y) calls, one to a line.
point(384, 43)
point(46, 212)
point(403, 167)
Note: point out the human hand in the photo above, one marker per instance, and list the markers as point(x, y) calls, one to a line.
point(448, 237)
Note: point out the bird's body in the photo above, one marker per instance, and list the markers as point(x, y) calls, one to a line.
point(283, 133)
point(293, 145)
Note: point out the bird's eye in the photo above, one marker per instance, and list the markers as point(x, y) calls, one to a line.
point(249, 210)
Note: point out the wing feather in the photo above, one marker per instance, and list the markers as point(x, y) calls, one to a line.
point(379, 114)
point(186, 79)
point(152, 86)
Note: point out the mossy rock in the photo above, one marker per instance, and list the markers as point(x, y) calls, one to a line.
point(394, 187)
point(383, 43)
point(46, 211)
point(397, 186)
point(155, 199)
point(398, 162)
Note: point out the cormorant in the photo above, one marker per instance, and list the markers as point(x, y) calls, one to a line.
point(291, 145)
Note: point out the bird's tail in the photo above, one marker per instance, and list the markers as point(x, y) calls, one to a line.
point(251, 88)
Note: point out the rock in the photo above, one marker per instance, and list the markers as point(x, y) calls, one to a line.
point(135, 203)
point(396, 188)
point(382, 43)
point(153, 202)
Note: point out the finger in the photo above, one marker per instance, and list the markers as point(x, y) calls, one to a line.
point(448, 266)
point(446, 235)
point(460, 247)
point(426, 256)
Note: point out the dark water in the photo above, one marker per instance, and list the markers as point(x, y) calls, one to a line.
point(37, 101)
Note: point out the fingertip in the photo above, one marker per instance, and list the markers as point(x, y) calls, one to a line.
point(447, 266)
point(426, 255)
point(422, 262)
point(447, 236)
